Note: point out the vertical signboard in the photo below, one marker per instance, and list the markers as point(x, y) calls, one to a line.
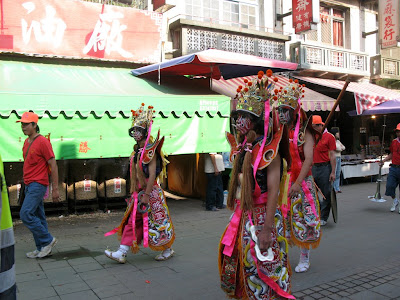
point(305, 13)
point(389, 26)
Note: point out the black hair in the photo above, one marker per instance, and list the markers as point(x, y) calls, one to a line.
point(37, 126)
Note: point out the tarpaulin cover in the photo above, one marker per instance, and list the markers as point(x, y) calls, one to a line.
point(86, 110)
point(215, 63)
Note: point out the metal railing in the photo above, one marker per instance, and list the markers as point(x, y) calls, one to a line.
point(310, 55)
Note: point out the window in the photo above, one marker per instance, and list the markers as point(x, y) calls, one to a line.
point(332, 26)
point(226, 12)
point(231, 13)
point(248, 16)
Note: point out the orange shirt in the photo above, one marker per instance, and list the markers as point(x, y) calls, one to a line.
point(326, 144)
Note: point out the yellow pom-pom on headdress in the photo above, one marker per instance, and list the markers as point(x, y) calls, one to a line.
point(142, 116)
point(255, 93)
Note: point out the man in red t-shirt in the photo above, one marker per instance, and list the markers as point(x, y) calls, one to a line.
point(324, 167)
point(393, 179)
point(38, 158)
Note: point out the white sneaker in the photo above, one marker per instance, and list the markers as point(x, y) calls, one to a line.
point(302, 267)
point(394, 205)
point(46, 250)
point(166, 254)
point(119, 256)
point(32, 254)
point(323, 222)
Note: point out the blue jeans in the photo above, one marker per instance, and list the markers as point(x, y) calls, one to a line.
point(215, 191)
point(321, 178)
point(32, 214)
point(336, 183)
point(393, 181)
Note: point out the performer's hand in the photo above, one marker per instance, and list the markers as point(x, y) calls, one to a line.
point(264, 239)
point(55, 195)
point(332, 177)
point(145, 199)
point(216, 173)
point(294, 190)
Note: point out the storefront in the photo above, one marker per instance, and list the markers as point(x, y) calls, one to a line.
point(86, 113)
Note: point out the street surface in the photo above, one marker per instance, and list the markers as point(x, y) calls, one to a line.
point(358, 258)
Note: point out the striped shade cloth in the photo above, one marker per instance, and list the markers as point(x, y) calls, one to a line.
point(312, 101)
point(366, 95)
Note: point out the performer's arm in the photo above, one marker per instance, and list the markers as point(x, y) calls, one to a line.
point(332, 159)
point(308, 148)
point(152, 177)
point(273, 180)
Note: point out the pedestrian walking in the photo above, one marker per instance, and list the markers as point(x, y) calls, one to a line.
point(213, 167)
point(39, 162)
point(324, 167)
point(253, 261)
point(147, 217)
point(8, 289)
point(339, 148)
point(302, 210)
point(393, 179)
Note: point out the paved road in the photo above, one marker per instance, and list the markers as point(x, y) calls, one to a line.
point(358, 258)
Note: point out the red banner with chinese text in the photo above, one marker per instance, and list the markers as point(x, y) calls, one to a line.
point(80, 29)
point(389, 20)
point(302, 13)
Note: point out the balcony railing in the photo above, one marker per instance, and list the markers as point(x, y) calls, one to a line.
point(199, 39)
point(385, 67)
point(329, 59)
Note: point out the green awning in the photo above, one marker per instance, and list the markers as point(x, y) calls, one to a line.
point(87, 111)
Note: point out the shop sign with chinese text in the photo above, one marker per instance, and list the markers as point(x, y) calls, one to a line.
point(389, 26)
point(81, 30)
point(305, 13)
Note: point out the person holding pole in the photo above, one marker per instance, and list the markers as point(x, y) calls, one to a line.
point(393, 179)
point(324, 167)
point(302, 211)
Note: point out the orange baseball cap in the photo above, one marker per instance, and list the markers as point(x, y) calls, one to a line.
point(316, 120)
point(397, 127)
point(29, 117)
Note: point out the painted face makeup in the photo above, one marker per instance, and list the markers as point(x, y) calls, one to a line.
point(243, 124)
point(137, 134)
point(284, 115)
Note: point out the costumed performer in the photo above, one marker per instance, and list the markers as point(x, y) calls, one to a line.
point(301, 210)
point(147, 217)
point(253, 258)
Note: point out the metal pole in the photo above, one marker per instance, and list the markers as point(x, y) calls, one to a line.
point(377, 197)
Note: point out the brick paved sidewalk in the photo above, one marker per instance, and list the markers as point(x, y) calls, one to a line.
point(358, 257)
point(381, 283)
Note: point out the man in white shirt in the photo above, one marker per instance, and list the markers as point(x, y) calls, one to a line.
point(213, 166)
